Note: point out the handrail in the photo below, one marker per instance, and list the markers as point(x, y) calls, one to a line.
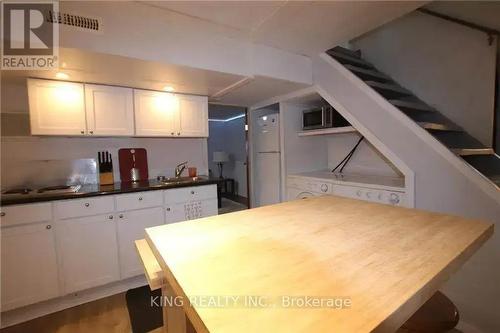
point(489, 31)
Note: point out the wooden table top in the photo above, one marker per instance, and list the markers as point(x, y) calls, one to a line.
point(366, 266)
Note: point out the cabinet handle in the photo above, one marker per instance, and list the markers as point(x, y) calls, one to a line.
point(192, 192)
point(82, 132)
point(2, 214)
point(87, 204)
point(178, 133)
point(120, 216)
point(110, 217)
point(91, 132)
point(140, 198)
point(48, 227)
point(168, 209)
point(172, 133)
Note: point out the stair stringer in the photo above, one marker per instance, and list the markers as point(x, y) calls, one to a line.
point(443, 183)
point(433, 163)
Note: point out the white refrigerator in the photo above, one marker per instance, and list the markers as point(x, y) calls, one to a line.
point(267, 160)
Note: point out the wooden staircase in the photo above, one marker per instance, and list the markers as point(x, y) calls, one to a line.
point(481, 158)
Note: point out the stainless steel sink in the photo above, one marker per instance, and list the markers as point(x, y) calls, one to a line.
point(176, 180)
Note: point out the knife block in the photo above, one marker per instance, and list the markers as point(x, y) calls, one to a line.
point(105, 168)
point(106, 178)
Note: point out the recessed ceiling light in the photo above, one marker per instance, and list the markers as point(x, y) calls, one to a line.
point(168, 88)
point(62, 76)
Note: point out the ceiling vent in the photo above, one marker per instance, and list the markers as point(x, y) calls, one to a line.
point(92, 24)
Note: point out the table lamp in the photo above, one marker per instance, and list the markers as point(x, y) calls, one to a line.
point(220, 157)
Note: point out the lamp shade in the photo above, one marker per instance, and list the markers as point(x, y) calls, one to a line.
point(220, 156)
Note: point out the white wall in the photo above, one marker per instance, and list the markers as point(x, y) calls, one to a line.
point(229, 137)
point(366, 160)
point(443, 183)
point(21, 156)
point(447, 65)
point(301, 153)
point(313, 153)
point(170, 37)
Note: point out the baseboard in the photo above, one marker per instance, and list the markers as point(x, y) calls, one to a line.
point(33, 311)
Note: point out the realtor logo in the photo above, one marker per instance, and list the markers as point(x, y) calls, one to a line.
point(29, 39)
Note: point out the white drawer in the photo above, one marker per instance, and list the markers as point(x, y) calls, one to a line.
point(139, 200)
point(84, 207)
point(190, 193)
point(28, 213)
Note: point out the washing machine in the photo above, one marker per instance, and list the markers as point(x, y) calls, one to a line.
point(301, 187)
point(312, 184)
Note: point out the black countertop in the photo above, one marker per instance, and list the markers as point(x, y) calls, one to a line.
point(97, 190)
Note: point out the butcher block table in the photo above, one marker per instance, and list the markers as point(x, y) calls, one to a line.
point(323, 264)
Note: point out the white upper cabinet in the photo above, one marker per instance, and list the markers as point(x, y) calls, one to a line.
point(110, 110)
point(193, 112)
point(68, 108)
point(56, 108)
point(156, 113)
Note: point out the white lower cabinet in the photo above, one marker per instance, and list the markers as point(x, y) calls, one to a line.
point(87, 242)
point(88, 251)
point(130, 226)
point(29, 265)
point(190, 210)
point(174, 213)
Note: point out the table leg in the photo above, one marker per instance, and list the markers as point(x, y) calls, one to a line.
point(219, 195)
point(174, 317)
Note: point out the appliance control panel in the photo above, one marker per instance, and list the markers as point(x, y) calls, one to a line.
point(389, 197)
point(318, 186)
point(361, 192)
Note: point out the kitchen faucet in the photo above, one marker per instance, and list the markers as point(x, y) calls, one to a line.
point(179, 169)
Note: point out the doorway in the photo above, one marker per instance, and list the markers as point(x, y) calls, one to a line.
point(228, 155)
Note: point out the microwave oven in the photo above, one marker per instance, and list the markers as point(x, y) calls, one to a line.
point(320, 117)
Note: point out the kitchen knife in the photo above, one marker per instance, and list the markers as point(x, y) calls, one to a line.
point(100, 161)
point(110, 165)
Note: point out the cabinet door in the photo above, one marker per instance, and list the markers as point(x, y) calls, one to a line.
point(109, 110)
point(193, 111)
point(88, 251)
point(156, 113)
point(56, 107)
point(29, 265)
point(131, 225)
point(190, 210)
point(175, 212)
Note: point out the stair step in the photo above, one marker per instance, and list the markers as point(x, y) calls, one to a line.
point(488, 165)
point(439, 126)
point(457, 140)
point(496, 180)
point(349, 52)
point(389, 91)
point(349, 60)
point(368, 74)
point(410, 106)
point(428, 117)
point(473, 151)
